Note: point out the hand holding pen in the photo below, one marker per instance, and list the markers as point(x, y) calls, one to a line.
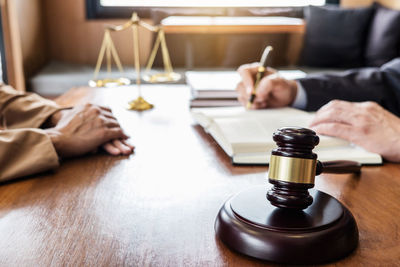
point(270, 91)
point(260, 73)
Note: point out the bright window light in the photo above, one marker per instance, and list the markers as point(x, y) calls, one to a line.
point(211, 3)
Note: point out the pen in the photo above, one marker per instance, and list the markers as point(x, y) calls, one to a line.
point(260, 73)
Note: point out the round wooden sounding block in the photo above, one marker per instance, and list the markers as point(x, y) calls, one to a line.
point(289, 224)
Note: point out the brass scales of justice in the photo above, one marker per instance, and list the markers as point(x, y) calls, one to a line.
point(108, 49)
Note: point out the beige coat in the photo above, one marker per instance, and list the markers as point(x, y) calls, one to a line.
point(24, 148)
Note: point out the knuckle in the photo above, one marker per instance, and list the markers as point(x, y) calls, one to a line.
point(240, 87)
point(370, 106)
point(100, 121)
point(271, 81)
point(365, 129)
point(331, 113)
point(95, 110)
point(242, 67)
point(334, 103)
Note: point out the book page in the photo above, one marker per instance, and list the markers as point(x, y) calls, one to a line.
point(241, 126)
point(246, 135)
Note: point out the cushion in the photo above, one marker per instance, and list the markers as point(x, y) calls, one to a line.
point(335, 37)
point(383, 40)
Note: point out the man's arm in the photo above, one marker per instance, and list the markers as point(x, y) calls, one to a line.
point(380, 85)
point(24, 110)
point(24, 152)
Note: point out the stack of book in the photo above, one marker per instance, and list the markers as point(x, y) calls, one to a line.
point(213, 88)
point(217, 88)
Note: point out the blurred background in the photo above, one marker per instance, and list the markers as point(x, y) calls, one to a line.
point(49, 46)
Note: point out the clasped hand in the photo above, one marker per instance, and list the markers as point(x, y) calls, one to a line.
point(84, 129)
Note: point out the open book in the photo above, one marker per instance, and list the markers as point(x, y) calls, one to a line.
point(246, 135)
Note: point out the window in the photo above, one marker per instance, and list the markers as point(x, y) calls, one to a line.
point(210, 3)
point(124, 8)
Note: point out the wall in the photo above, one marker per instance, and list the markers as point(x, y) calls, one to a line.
point(58, 30)
point(32, 34)
point(12, 45)
point(73, 39)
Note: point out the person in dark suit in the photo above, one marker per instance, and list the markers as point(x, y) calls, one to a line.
point(360, 105)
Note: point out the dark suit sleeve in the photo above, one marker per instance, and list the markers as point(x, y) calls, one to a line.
point(381, 85)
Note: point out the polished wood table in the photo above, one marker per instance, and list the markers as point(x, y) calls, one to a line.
point(157, 207)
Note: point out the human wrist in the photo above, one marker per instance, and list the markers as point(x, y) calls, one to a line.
point(56, 117)
point(56, 140)
point(293, 91)
point(300, 101)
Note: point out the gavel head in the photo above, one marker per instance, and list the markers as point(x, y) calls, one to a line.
point(292, 168)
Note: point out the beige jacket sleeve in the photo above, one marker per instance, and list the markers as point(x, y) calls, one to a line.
point(24, 149)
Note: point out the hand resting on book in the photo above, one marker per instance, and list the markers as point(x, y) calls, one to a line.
point(366, 124)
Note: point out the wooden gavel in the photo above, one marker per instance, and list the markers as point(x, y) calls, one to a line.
point(293, 167)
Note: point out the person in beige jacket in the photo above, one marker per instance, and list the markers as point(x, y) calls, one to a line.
point(35, 133)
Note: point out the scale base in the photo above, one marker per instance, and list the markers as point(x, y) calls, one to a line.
point(324, 232)
point(109, 82)
point(162, 77)
point(139, 104)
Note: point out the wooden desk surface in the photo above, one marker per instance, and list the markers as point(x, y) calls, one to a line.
point(158, 206)
point(231, 25)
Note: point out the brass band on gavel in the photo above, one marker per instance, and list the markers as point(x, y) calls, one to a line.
point(293, 170)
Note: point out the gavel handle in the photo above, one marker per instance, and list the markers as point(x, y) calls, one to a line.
point(338, 166)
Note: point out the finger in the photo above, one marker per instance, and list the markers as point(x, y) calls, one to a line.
point(263, 91)
point(111, 149)
point(124, 149)
point(337, 104)
point(345, 113)
point(260, 105)
point(105, 108)
point(241, 89)
point(243, 100)
point(110, 123)
point(247, 73)
point(270, 71)
point(114, 133)
point(332, 115)
point(243, 96)
point(125, 142)
point(108, 114)
point(336, 129)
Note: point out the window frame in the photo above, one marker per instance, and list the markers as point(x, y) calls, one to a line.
point(2, 52)
point(94, 10)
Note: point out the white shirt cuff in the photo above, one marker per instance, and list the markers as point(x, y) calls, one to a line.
point(300, 101)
